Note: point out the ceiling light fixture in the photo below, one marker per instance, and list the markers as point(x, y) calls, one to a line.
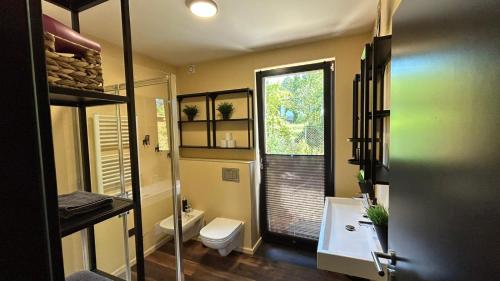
point(202, 8)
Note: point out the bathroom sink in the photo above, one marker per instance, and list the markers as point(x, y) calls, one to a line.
point(343, 251)
point(188, 221)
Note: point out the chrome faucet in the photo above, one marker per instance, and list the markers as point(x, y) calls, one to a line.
point(366, 201)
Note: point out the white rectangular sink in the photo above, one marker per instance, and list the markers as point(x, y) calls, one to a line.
point(343, 251)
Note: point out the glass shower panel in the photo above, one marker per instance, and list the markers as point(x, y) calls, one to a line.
point(110, 151)
point(110, 173)
point(153, 117)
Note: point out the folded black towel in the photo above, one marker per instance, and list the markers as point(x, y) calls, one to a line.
point(81, 202)
point(86, 276)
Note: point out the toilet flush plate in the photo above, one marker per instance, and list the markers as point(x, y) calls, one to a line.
point(231, 174)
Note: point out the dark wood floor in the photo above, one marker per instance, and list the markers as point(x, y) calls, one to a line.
point(204, 264)
point(287, 254)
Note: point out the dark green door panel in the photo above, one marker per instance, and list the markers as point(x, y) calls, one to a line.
point(445, 144)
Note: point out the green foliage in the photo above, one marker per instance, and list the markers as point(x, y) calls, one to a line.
point(361, 176)
point(378, 215)
point(161, 124)
point(294, 114)
point(225, 109)
point(160, 108)
point(190, 111)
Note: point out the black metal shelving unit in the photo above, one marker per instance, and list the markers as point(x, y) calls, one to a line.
point(211, 120)
point(369, 112)
point(64, 96)
point(39, 97)
point(118, 207)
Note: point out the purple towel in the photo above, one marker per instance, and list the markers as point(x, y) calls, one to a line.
point(81, 44)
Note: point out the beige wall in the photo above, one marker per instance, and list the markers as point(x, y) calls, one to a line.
point(155, 166)
point(239, 72)
point(217, 198)
point(144, 67)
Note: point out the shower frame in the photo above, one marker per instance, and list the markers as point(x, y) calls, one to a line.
point(173, 137)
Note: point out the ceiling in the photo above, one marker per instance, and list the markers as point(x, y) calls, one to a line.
point(166, 29)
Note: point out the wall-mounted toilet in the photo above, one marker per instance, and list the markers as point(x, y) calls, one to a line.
point(223, 235)
point(192, 222)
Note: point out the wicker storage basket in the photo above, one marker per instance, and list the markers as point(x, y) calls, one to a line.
point(73, 71)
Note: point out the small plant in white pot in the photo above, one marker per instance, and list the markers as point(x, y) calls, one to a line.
point(380, 219)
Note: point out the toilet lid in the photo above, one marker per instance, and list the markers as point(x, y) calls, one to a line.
point(220, 228)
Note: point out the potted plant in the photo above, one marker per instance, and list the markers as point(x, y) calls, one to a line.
point(226, 110)
point(380, 219)
point(364, 185)
point(190, 111)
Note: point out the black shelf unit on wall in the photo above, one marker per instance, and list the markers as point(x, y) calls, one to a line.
point(212, 123)
point(34, 99)
point(369, 115)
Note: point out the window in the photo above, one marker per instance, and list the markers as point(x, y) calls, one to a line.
point(294, 113)
point(161, 124)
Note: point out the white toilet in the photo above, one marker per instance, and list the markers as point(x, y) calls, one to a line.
point(192, 222)
point(223, 235)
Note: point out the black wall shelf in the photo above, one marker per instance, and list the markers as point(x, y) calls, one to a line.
point(64, 96)
point(214, 93)
point(233, 120)
point(353, 161)
point(239, 148)
point(368, 97)
point(380, 114)
point(361, 140)
point(194, 146)
point(194, 121)
point(211, 122)
point(214, 147)
point(76, 5)
point(72, 225)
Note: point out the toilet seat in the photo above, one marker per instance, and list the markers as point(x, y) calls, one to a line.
point(222, 234)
